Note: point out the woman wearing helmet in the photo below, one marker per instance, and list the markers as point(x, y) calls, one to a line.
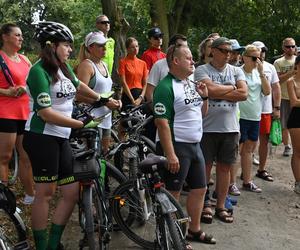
point(52, 87)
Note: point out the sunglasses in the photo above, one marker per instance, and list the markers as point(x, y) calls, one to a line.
point(290, 46)
point(254, 58)
point(157, 37)
point(224, 51)
point(104, 22)
point(99, 45)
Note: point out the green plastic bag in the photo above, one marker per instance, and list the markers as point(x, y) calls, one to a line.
point(275, 133)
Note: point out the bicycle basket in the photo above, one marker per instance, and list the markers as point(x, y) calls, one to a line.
point(7, 199)
point(86, 169)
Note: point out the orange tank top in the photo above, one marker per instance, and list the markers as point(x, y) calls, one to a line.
point(16, 108)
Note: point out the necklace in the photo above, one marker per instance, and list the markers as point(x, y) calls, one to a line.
point(14, 58)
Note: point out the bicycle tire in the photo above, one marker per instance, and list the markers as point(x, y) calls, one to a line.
point(171, 237)
point(12, 231)
point(13, 167)
point(126, 200)
point(86, 216)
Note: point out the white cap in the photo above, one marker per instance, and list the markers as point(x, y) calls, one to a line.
point(260, 45)
point(95, 37)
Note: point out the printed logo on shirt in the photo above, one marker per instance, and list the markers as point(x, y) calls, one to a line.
point(191, 96)
point(43, 99)
point(67, 90)
point(159, 108)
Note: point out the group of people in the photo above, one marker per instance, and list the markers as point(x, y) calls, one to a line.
point(205, 113)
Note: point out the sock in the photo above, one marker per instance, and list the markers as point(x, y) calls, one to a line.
point(40, 239)
point(55, 235)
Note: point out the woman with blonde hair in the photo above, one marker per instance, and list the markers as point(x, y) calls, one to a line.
point(93, 71)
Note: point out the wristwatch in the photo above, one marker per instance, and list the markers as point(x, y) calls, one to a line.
point(277, 107)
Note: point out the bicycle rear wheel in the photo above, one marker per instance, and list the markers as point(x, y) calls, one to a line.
point(170, 234)
point(143, 232)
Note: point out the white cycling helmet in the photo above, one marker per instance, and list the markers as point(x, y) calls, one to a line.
point(52, 31)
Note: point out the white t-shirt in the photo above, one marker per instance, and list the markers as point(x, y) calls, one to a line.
point(272, 77)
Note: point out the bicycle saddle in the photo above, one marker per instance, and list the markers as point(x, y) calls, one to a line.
point(152, 163)
point(7, 199)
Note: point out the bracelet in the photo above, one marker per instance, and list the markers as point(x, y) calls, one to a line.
point(262, 75)
point(277, 107)
point(142, 97)
point(204, 98)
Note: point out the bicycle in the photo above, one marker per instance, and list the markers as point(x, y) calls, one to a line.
point(13, 233)
point(96, 178)
point(157, 220)
point(129, 153)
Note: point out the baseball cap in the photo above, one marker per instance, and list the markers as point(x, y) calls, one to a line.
point(94, 37)
point(220, 41)
point(235, 45)
point(260, 45)
point(155, 32)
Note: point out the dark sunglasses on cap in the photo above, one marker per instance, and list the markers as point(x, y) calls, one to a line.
point(104, 22)
point(290, 46)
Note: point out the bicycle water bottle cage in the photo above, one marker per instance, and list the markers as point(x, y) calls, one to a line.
point(7, 199)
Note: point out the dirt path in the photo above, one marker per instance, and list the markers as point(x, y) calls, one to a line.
point(270, 220)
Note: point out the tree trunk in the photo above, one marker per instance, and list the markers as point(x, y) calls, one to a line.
point(158, 14)
point(119, 28)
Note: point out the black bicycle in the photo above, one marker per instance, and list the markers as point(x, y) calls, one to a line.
point(98, 179)
point(127, 154)
point(12, 228)
point(147, 213)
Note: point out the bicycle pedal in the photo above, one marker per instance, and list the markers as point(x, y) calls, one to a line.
point(183, 220)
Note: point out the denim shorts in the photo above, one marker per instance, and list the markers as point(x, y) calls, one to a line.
point(249, 130)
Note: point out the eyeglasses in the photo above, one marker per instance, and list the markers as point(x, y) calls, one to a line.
point(99, 45)
point(290, 46)
point(224, 51)
point(254, 58)
point(104, 22)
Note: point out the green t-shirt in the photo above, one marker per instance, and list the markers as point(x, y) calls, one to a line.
point(43, 94)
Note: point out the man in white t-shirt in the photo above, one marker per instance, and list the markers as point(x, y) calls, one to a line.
point(267, 111)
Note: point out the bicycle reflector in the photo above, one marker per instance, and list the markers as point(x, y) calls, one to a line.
point(7, 199)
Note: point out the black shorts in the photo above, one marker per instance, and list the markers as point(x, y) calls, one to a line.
point(294, 118)
point(125, 99)
point(12, 126)
point(192, 167)
point(220, 147)
point(51, 158)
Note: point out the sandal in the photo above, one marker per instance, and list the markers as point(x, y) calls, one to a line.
point(206, 215)
point(223, 215)
point(263, 174)
point(201, 237)
point(188, 246)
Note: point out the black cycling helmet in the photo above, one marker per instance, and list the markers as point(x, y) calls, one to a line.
point(53, 32)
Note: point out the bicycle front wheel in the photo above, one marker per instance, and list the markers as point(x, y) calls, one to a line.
point(126, 204)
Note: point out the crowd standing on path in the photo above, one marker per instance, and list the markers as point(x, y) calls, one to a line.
point(205, 114)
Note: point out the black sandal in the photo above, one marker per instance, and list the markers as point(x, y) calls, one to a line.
point(201, 237)
point(263, 174)
point(223, 215)
point(206, 215)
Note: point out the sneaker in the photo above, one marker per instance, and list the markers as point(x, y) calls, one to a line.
point(287, 150)
point(251, 187)
point(297, 187)
point(233, 190)
point(254, 160)
point(28, 200)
